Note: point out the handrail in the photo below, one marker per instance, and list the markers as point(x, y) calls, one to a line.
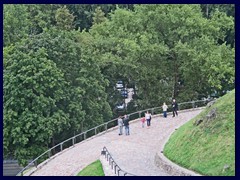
point(107, 153)
point(190, 105)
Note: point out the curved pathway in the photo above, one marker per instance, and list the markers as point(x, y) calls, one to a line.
point(134, 154)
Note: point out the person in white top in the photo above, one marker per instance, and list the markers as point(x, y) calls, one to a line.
point(164, 107)
point(120, 125)
point(148, 118)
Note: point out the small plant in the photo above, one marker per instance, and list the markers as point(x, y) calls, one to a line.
point(94, 169)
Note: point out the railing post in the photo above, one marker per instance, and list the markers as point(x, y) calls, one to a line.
point(95, 131)
point(106, 126)
point(35, 163)
point(84, 136)
point(49, 153)
point(115, 168)
point(179, 107)
point(193, 104)
point(61, 146)
point(152, 111)
point(73, 141)
point(139, 114)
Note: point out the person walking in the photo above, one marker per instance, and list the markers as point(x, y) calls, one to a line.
point(126, 124)
point(120, 125)
point(164, 107)
point(143, 121)
point(148, 118)
point(175, 107)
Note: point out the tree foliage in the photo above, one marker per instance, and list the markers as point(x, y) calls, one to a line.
point(33, 89)
point(98, 16)
point(15, 24)
point(64, 19)
point(164, 47)
point(84, 13)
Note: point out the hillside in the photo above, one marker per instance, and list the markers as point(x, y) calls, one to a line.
point(208, 148)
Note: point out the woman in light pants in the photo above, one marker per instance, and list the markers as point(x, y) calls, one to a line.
point(120, 125)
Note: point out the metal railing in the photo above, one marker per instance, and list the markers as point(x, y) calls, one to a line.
point(113, 164)
point(49, 154)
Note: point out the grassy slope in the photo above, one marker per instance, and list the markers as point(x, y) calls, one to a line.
point(208, 147)
point(94, 169)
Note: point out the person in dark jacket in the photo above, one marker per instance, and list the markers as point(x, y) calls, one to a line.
point(174, 107)
point(126, 124)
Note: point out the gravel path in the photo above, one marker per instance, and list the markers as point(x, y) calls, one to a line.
point(134, 153)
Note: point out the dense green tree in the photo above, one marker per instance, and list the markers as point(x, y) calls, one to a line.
point(84, 13)
point(22, 20)
point(15, 23)
point(41, 16)
point(154, 46)
point(229, 9)
point(98, 16)
point(64, 19)
point(209, 9)
point(82, 103)
point(179, 26)
point(33, 89)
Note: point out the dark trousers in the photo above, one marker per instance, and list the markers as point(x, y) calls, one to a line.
point(165, 114)
point(148, 122)
point(127, 130)
point(175, 112)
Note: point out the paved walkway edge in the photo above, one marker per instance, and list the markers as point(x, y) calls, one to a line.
point(108, 171)
point(170, 167)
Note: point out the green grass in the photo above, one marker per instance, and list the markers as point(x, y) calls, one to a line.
point(94, 169)
point(211, 145)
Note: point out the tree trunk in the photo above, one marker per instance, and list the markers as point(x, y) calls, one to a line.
point(82, 127)
point(53, 144)
point(207, 10)
point(176, 77)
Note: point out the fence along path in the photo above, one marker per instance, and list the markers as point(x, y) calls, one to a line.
point(134, 153)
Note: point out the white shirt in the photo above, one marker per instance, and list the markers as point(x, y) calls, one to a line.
point(120, 122)
point(147, 115)
point(165, 107)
